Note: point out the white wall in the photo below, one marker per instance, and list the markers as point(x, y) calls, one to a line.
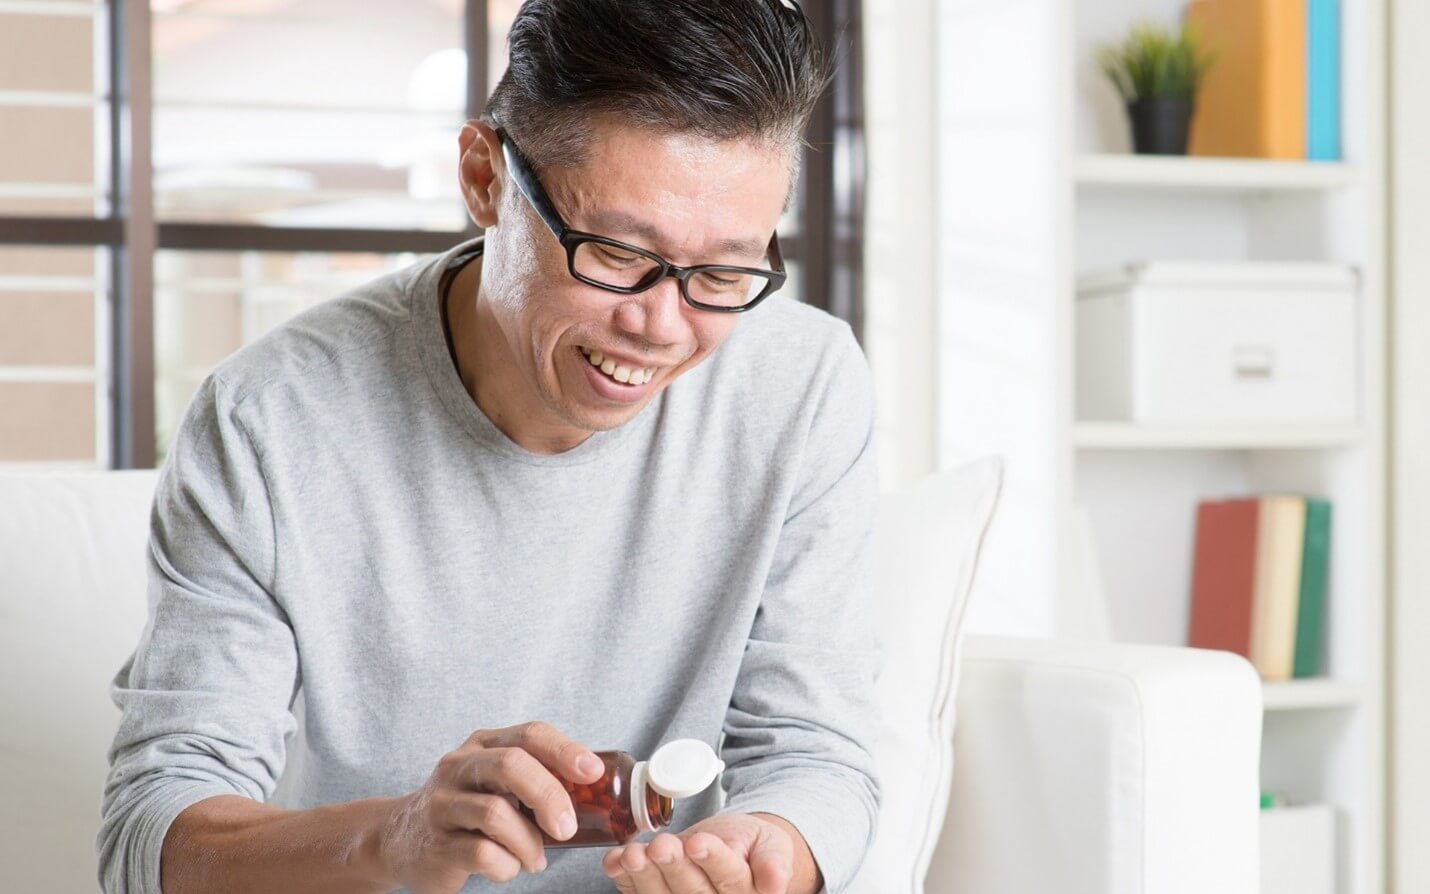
point(1410, 445)
point(898, 253)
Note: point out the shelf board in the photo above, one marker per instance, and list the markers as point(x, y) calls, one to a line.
point(1183, 172)
point(1293, 695)
point(1140, 436)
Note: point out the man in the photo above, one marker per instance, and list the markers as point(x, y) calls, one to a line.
point(582, 485)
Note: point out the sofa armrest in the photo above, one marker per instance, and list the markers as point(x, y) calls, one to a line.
point(1097, 768)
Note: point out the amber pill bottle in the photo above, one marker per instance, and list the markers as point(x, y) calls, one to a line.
point(634, 797)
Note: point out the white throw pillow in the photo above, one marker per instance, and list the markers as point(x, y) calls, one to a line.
point(926, 552)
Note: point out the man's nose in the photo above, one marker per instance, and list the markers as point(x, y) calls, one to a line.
point(657, 315)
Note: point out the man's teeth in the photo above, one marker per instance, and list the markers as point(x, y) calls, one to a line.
point(623, 374)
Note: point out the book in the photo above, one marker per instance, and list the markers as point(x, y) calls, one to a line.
point(1323, 80)
point(1252, 102)
point(1310, 616)
point(1224, 576)
point(1280, 536)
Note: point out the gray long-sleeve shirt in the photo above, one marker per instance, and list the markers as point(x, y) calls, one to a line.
point(352, 569)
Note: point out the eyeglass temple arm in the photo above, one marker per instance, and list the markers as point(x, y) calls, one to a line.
point(777, 258)
point(525, 179)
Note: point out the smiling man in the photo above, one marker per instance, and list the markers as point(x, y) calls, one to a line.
point(589, 483)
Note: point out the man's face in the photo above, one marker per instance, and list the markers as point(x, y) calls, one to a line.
point(678, 196)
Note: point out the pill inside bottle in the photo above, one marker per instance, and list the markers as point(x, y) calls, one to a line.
point(634, 797)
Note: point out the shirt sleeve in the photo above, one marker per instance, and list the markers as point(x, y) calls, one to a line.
point(803, 719)
point(206, 698)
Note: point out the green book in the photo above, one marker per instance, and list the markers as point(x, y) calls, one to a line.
point(1310, 618)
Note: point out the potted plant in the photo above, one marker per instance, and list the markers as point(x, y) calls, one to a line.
point(1157, 71)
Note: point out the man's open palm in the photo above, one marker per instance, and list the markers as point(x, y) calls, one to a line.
point(728, 854)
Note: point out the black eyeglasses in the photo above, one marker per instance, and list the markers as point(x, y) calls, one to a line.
point(619, 267)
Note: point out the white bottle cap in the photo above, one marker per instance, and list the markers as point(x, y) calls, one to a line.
point(683, 768)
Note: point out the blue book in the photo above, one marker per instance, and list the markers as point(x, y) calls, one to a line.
point(1323, 80)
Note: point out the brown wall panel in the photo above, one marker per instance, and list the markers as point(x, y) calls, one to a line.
point(46, 53)
point(46, 329)
point(27, 261)
point(51, 421)
point(46, 145)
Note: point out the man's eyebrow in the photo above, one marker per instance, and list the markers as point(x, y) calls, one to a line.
point(622, 223)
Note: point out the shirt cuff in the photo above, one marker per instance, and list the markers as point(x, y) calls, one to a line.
point(140, 841)
point(837, 843)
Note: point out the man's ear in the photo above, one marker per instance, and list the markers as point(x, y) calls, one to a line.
point(480, 159)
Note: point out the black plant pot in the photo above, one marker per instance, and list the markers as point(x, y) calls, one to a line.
point(1160, 125)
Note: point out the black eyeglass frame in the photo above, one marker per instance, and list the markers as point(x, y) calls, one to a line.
point(530, 187)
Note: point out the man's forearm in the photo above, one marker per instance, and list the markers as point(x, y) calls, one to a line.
point(234, 844)
point(806, 878)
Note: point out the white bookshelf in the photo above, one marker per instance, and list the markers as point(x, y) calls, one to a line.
point(1130, 436)
point(1303, 695)
point(1235, 174)
point(1095, 530)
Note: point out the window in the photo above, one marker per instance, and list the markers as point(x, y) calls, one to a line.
point(53, 109)
point(54, 301)
point(53, 369)
point(271, 154)
point(308, 113)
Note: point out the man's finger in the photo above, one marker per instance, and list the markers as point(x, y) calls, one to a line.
point(644, 876)
point(496, 817)
point(549, 745)
point(480, 855)
point(611, 862)
point(611, 866)
point(506, 770)
point(727, 870)
point(624, 884)
point(682, 876)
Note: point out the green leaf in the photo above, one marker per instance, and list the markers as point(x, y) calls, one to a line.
point(1155, 62)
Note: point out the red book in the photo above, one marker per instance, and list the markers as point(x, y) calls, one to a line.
point(1224, 576)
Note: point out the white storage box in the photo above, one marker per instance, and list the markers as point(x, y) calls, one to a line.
point(1218, 342)
point(1298, 850)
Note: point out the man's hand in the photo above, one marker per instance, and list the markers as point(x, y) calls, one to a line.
point(464, 821)
point(730, 854)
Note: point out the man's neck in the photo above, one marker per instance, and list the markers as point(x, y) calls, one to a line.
point(490, 374)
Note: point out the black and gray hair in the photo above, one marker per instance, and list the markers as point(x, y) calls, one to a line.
point(722, 69)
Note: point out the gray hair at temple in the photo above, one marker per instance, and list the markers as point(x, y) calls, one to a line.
point(723, 69)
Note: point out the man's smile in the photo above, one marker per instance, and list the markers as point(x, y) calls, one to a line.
point(620, 369)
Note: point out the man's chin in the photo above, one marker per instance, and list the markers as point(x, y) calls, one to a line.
point(602, 420)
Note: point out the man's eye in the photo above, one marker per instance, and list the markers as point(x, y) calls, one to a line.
point(617, 256)
point(720, 282)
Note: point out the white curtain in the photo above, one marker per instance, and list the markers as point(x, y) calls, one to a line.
point(899, 283)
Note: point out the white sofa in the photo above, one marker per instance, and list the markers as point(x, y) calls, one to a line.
point(1079, 768)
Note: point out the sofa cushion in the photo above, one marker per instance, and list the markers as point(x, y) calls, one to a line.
point(926, 550)
point(1102, 768)
point(72, 606)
